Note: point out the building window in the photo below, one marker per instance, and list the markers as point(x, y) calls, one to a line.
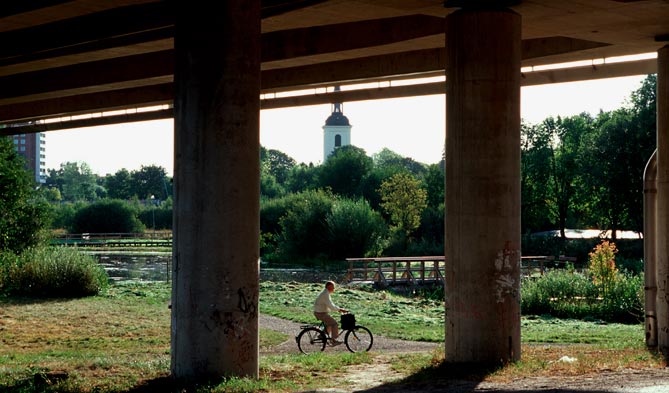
point(337, 140)
point(23, 148)
point(23, 141)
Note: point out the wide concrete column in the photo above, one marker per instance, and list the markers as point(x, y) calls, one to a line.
point(483, 49)
point(216, 180)
point(662, 218)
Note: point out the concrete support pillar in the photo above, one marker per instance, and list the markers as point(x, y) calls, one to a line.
point(662, 223)
point(649, 246)
point(217, 191)
point(483, 49)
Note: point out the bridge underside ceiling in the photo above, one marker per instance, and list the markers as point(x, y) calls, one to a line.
point(61, 58)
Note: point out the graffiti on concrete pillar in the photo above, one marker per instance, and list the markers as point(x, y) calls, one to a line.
point(507, 263)
point(247, 304)
point(234, 322)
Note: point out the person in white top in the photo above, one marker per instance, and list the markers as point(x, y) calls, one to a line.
point(322, 307)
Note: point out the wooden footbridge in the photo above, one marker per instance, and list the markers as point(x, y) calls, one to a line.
point(386, 271)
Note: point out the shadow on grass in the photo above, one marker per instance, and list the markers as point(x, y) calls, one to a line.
point(165, 384)
point(443, 377)
point(168, 384)
point(459, 378)
point(33, 300)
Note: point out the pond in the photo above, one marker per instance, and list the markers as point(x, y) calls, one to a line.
point(156, 266)
point(145, 266)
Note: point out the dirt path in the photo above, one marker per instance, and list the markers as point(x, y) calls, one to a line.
point(378, 377)
point(381, 344)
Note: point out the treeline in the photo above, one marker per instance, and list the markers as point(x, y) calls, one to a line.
point(75, 181)
point(352, 205)
point(582, 171)
point(587, 172)
point(126, 201)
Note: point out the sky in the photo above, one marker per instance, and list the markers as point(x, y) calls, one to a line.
point(412, 127)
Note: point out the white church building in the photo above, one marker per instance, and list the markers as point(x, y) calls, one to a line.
point(336, 131)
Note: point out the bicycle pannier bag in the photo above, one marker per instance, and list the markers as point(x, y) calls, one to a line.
point(347, 321)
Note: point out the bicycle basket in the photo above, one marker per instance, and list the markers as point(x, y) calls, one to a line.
point(347, 321)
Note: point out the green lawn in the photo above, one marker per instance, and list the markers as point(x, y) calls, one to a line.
point(120, 341)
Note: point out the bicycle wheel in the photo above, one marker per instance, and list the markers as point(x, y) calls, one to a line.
point(359, 339)
point(311, 340)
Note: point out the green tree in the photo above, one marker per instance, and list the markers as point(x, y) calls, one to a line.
point(75, 180)
point(404, 201)
point(644, 104)
point(303, 177)
point(119, 185)
point(617, 154)
point(23, 213)
point(566, 166)
point(150, 181)
point(345, 170)
point(269, 186)
point(535, 170)
point(390, 163)
point(277, 163)
point(51, 194)
point(434, 185)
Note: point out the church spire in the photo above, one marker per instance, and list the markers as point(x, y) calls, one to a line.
point(337, 129)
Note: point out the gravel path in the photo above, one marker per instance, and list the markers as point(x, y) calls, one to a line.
point(379, 378)
point(381, 344)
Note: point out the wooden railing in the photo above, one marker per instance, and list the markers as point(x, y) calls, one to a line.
point(147, 239)
point(530, 265)
point(386, 271)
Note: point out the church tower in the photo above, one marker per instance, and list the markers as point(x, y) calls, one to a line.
point(336, 131)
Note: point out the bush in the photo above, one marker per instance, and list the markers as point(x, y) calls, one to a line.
point(304, 231)
point(51, 272)
point(354, 229)
point(602, 267)
point(565, 294)
point(158, 217)
point(106, 216)
point(558, 293)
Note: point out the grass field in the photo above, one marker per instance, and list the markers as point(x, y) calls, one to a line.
point(120, 341)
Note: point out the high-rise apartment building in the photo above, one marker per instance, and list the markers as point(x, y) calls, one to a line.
point(33, 148)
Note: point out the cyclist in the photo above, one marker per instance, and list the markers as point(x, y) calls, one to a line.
point(322, 306)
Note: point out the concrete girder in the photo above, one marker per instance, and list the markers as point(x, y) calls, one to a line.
point(155, 94)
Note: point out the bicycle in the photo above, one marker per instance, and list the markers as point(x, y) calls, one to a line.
point(313, 337)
